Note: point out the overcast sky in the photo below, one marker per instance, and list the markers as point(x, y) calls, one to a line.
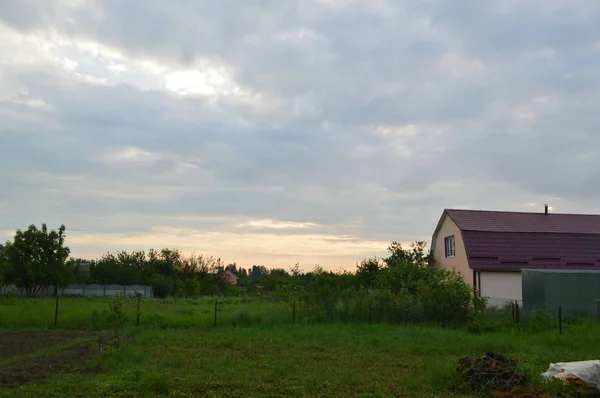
point(274, 132)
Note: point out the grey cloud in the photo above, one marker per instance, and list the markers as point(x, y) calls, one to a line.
point(467, 77)
point(495, 28)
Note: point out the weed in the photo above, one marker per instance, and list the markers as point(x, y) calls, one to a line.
point(116, 317)
point(541, 320)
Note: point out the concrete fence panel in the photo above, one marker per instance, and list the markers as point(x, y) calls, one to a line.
point(84, 291)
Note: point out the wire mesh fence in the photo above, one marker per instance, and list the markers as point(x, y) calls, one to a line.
point(96, 313)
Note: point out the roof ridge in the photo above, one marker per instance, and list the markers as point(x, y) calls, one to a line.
point(530, 232)
point(522, 212)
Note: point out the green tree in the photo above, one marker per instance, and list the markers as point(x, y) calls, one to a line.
point(37, 258)
point(2, 264)
point(367, 271)
point(442, 295)
point(81, 269)
point(405, 270)
point(416, 254)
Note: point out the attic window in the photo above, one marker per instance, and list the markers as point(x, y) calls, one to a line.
point(450, 248)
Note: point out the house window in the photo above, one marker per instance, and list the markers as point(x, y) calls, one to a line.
point(450, 248)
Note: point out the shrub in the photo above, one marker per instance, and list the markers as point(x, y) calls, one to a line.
point(244, 318)
point(191, 288)
point(8, 297)
point(448, 299)
point(156, 321)
point(576, 318)
point(489, 325)
point(116, 317)
point(541, 320)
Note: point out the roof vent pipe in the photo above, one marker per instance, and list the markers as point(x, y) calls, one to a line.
point(546, 209)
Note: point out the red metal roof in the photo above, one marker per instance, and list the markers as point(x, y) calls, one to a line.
point(503, 221)
point(510, 241)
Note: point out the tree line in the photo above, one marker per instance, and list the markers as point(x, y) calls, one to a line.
point(406, 280)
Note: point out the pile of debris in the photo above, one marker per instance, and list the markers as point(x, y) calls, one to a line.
point(491, 373)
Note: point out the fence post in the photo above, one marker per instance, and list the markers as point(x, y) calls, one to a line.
point(560, 319)
point(56, 312)
point(294, 313)
point(517, 313)
point(84, 286)
point(370, 314)
point(512, 305)
point(216, 301)
point(103, 290)
point(598, 310)
point(137, 321)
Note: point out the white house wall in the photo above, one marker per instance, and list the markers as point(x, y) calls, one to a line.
point(501, 287)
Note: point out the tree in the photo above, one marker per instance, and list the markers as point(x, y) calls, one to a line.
point(81, 269)
point(367, 271)
point(2, 264)
point(441, 294)
point(405, 270)
point(415, 255)
point(37, 258)
point(257, 271)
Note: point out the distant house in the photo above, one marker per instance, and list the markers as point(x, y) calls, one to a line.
point(229, 277)
point(490, 248)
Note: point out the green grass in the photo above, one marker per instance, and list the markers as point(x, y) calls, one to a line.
point(305, 360)
point(77, 313)
point(256, 351)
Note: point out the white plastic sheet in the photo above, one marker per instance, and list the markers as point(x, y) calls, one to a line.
point(587, 371)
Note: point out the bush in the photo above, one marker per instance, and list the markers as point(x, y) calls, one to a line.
point(244, 318)
point(156, 321)
point(489, 325)
point(541, 320)
point(9, 297)
point(116, 317)
point(576, 318)
point(449, 300)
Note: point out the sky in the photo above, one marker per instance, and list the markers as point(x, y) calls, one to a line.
point(278, 132)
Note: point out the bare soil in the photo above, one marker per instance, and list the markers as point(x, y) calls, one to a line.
point(28, 356)
point(21, 343)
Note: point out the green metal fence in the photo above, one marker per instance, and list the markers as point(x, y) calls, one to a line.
point(576, 291)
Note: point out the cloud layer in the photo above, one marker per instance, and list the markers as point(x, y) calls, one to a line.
point(280, 132)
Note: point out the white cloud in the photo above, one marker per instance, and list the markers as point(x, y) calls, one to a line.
point(97, 63)
point(396, 131)
point(190, 82)
point(117, 68)
point(132, 154)
point(277, 224)
point(459, 66)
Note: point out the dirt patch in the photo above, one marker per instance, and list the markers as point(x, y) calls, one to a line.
point(31, 368)
point(21, 343)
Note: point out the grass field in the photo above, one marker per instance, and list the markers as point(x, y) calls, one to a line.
point(94, 314)
point(188, 357)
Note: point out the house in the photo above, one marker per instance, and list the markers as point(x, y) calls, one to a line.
point(490, 248)
point(229, 277)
